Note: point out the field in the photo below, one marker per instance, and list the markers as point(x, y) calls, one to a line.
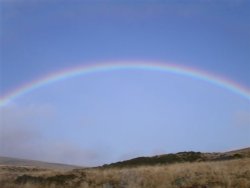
point(212, 174)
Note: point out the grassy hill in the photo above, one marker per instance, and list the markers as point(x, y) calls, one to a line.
point(14, 162)
point(181, 157)
point(180, 170)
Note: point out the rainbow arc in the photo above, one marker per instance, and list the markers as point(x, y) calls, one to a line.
point(115, 66)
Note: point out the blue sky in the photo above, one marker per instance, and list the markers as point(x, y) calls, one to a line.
point(105, 117)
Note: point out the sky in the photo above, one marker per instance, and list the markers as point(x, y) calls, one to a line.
point(110, 116)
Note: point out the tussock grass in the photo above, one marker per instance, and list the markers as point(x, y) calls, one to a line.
point(230, 173)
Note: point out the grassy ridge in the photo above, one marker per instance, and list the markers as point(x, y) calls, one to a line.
point(230, 173)
point(179, 158)
point(180, 170)
point(158, 160)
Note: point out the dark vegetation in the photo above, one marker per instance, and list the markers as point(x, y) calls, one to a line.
point(175, 158)
point(56, 179)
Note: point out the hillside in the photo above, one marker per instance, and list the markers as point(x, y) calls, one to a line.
point(8, 161)
point(181, 157)
point(181, 170)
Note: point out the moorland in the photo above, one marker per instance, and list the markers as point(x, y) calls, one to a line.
point(179, 170)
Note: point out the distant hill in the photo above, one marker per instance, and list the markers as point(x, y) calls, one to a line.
point(8, 161)
point(189, 156)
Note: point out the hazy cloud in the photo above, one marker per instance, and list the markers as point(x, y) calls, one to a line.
point(22, 136)
point(70, 153)
point(20, 128)
point(242, 119)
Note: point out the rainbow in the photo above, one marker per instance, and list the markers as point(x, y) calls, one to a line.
point(115, 66)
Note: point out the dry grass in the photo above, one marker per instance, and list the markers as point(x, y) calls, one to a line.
point(231, 173)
